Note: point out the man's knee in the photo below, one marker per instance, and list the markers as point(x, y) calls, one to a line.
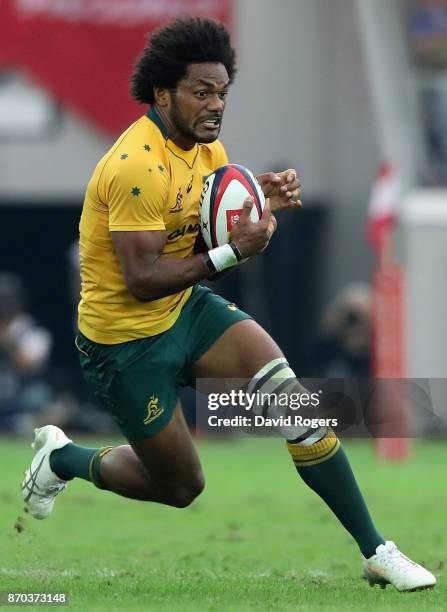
point(182, 494)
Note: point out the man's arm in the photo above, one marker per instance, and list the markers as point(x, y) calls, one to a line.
point(149, 276)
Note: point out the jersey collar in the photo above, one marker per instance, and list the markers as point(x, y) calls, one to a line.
point(155, 117)
point(188, 156)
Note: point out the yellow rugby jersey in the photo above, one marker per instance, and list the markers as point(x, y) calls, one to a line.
point(145, 182)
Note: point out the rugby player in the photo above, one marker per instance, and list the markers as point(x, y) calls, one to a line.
point(147, 326)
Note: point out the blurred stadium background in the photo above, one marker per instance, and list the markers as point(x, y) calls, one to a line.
point(353, 93)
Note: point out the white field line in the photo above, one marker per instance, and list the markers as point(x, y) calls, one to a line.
point(37, 573)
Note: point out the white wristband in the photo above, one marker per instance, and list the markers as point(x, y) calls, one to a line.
point(223, 257)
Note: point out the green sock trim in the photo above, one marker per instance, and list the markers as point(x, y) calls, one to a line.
point(334, 481)
point(72, 461)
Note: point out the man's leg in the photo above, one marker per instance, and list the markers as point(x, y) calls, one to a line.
point(164, 468)
point(172, 462)
point(242, 352)
point(245, 350)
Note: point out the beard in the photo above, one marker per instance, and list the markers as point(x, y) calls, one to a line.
point(185, 129)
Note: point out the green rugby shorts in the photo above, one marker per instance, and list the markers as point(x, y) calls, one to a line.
point(137, 382)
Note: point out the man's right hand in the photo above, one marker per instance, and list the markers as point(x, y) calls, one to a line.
point(253, 238)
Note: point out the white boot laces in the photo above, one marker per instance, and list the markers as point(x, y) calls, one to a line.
point(397, 558)
point(56, 488)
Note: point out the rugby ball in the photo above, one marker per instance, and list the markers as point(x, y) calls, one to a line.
point(222, 200)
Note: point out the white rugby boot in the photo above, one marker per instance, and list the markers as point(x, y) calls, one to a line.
point(41, 485)
point(390, 566)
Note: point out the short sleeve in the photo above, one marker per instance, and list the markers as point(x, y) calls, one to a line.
point(136, 197)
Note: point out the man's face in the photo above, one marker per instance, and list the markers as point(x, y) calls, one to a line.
point(197, 105)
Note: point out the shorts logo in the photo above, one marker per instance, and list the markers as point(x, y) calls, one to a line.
point(233, 218)
point(153, 410)
point(231, 306)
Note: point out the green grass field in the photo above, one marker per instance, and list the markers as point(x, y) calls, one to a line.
point(257, 539)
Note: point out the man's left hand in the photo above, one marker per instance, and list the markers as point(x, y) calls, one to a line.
point(283, 189)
